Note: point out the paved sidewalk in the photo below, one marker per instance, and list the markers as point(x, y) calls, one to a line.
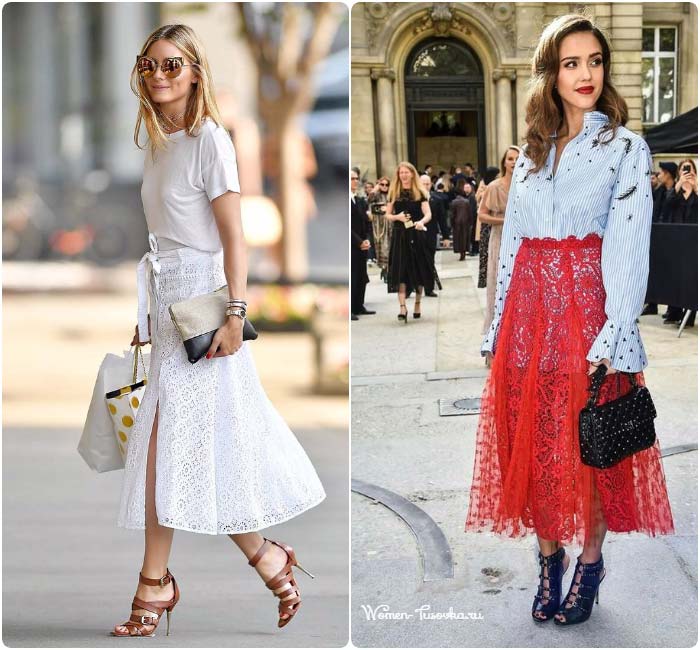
point(399, 442)
point(69, 573)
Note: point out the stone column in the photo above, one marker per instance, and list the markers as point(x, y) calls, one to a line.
point(42, 110)
point(504, 109)
point(386, 120)
point(125, 27)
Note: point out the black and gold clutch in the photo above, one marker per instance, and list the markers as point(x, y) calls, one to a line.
point(198, 318)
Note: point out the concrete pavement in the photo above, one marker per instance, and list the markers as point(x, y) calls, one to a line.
point(69, 573)
point(399, 442)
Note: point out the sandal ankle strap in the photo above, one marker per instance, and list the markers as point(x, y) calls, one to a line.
point(156, 582)
point(548, 560)
point(260, 552)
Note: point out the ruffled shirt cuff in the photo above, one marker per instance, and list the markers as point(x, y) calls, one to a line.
point(621, 343)
point(487, 344)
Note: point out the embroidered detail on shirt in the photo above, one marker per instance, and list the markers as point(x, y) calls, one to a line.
point(612, 169)
point(549, 178)
point(627, 193)
point(595, 143)
point(628, 144)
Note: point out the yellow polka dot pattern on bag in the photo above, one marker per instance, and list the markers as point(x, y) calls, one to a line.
point(123, 412)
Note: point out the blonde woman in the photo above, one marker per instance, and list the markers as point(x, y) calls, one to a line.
point(411, 265)
point(492, 211)
point(572, 276)
point(208, 452)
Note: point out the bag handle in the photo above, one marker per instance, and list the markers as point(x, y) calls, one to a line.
point(597, 381)
point(138, 353)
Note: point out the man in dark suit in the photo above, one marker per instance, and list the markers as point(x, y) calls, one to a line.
point(359, 245)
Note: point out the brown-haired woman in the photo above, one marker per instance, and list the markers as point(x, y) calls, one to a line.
point(411, 265)
point(207, 451)
point(492, 210)
point(572, 277)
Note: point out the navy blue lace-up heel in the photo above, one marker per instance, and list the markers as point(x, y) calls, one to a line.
point(582, 601)
point(554, 565)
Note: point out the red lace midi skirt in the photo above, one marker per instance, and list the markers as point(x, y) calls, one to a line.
point(528, 475)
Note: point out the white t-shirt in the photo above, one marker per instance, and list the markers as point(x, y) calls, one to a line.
point(178, 187)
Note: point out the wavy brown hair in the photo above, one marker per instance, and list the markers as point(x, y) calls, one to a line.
point(544, 109)
point(201, 102)
point(417, 192)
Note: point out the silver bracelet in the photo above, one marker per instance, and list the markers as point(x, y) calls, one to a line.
point(240, 313)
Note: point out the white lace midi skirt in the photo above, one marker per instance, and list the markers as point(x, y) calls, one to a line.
point(226, 462)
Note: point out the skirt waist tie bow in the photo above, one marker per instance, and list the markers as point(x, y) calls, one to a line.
point(150, 259)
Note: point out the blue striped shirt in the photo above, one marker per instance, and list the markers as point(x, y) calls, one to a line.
point(598, 188)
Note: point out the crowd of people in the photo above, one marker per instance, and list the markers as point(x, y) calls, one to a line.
point(675, 192)
point(399, 223)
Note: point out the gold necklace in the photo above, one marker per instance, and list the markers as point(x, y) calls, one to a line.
point(174, 118)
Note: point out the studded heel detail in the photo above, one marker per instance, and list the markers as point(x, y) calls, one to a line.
point(588, 578)
point(552, 570)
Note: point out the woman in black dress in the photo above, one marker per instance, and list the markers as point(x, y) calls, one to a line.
point(411, 265)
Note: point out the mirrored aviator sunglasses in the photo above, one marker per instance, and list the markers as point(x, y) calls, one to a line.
point(171, 67)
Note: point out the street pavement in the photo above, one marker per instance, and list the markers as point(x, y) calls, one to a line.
point(400, 442)
point(69, 573)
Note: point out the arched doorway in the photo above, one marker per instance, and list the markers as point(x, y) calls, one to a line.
point(444, 84)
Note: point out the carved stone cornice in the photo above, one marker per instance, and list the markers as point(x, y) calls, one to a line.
point(503, 13)
point(504, 73)
point(382, 73)
point(376, 16)
point(441, 19)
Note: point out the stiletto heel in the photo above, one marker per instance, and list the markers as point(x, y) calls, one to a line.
point(416, 314)
point(589, 580)
point(301, 568)
point(402, 316)
point(285, 576)
point(554, 565)
point(136, 623)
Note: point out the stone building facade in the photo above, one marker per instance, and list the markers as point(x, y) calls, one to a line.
point(446, 83)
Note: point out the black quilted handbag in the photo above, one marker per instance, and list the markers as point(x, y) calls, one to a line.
point(617, 429)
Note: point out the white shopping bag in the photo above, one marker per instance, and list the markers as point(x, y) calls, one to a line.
point(99, 445)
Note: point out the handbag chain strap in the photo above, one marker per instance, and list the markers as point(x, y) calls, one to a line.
point(597, 381)
point(138, 354)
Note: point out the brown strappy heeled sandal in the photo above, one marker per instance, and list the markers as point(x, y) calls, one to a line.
point(136, 623)
point(286, 575)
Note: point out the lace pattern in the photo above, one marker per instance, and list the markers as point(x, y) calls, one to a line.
point(226, 461)
point(528, 476)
